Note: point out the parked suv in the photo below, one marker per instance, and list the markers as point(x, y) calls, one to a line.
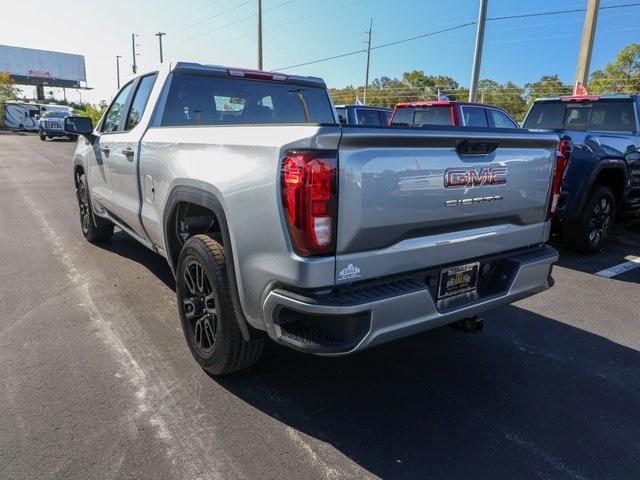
point(51, 124)
point(445, 112)
point(279, 223)
point(600, 137)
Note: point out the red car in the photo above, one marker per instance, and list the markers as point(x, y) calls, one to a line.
point(445, 112)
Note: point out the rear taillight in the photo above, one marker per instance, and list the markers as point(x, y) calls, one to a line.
point(309, 197)
point(562, 160)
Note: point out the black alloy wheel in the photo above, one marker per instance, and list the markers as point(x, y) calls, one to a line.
point(199, 308)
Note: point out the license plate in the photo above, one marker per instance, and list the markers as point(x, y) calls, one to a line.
point(456, 280)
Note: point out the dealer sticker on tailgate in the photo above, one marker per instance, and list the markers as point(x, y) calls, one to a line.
point(460, 279)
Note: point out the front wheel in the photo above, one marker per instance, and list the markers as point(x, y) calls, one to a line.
point(590, 233)
point(95, 230)
point(207, 314)
point(43, 137)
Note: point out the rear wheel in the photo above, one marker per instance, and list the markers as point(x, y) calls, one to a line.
point(208, 316)
point(95, 230)
point(591, 232)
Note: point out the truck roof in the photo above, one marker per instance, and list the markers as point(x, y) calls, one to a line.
point(371, 107)
point(586, 98)
point(244, 72)
point(443, 103)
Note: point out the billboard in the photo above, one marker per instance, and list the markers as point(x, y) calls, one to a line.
point(30, 66)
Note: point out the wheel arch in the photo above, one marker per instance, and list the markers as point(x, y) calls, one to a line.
point(613, 176)
point(200, 196)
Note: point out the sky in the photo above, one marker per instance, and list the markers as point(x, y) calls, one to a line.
point(298, 31)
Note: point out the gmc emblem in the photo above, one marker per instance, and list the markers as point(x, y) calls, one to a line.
point(469, 177)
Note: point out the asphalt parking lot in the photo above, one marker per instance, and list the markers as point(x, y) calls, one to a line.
point(97, 382)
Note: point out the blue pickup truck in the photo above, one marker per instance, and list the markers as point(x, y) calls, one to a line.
point(600, 139)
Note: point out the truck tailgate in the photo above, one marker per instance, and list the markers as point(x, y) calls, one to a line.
point(411, 198)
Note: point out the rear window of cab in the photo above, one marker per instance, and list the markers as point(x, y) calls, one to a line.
point(603, 116)
point(201, 100)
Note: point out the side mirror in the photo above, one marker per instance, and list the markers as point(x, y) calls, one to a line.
point(79, 126)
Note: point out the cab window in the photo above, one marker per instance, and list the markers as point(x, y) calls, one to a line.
point(474, 117)
point(145, 85)
point(113, 118)
point(500, 119)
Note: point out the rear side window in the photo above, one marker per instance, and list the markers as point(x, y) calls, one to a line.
point(474, 117)
point(342, 116)
point(500, 119)
point(140, 100)
point(198, 100)
point(370, 118)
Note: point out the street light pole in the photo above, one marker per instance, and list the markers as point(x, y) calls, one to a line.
point(259, 34)
point(477, 58)
point(366, 77)
point(118, 57)
point(159, 35)
point(134, 66)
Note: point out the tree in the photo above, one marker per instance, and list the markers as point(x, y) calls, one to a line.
point(620, 76)
point(547, 86)
point(94, 112)
point(429, 85)
point(8, 91)
point(508, 96)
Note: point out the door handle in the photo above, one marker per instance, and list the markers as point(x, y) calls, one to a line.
point(105, 149)
point(128, 152)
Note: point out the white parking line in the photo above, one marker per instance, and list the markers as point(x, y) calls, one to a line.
point(620, 268)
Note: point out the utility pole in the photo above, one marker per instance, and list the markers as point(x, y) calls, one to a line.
point(259, 34)
point(159, 35)
point(586, 46)
point(118, 57)
point(477, 57)
point(366, 77)
point(134, 66)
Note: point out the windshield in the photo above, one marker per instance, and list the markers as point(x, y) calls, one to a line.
point(603, 116)
point(54, 114)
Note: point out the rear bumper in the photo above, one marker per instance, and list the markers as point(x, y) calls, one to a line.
point(360, 317)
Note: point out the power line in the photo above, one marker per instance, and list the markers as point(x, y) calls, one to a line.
point(456, 27)
point(384, 45)
point(299, 19)
point(241, 19)
point(217, 15)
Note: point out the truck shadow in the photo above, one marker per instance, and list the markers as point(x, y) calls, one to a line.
point(125, 246)
point(530, 397)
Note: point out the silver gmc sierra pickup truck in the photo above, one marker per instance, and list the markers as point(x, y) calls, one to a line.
point(279, 223)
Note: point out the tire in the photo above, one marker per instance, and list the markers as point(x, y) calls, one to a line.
point(95, 230)
point(43, 137)
point(73, 138)
point(590, 233)
point(207, 313)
